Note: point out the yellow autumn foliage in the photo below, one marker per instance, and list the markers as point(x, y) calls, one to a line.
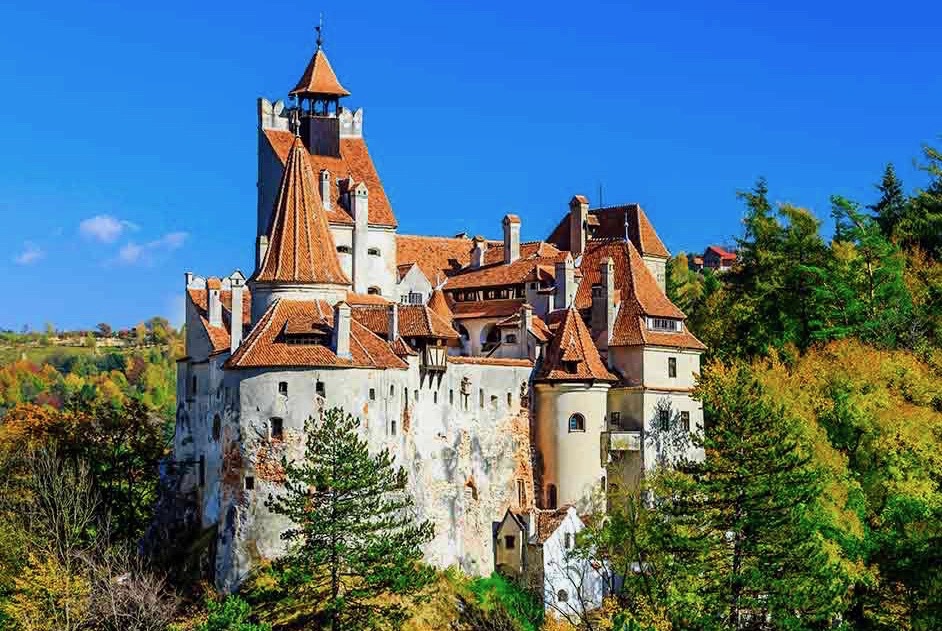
point(48, 597)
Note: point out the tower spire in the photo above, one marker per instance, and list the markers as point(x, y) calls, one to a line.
point(320, 31)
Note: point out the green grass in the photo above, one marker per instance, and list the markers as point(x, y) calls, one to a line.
point(523, 606)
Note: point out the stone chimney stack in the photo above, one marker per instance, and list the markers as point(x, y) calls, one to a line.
point(341, 336)
point(526, 318)
point(477, 253)
point(393, 328)
point(360, 211)
point(603, 304)
point(213, 301)
point(565, 283)
point(511, 238)
point(237, 285)
point(325, 188)
point(578, 216)
point(261, 251)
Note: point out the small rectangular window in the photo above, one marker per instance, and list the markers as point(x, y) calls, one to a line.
point(277, 428)
point(510, 542)
point(521, 493)
point(664, 420)
point(416, 395)
point(568, 541)
point(320, 389)
point(392, 427)
point(249, 483)
point(481, 397)
point(435, 397)
point(493, 400)
point(392, 391)
point(615, 418)
point(510, 399)
point(685, 421)
point(451, 397)
point(283, 388)
point(672, 367)
point(372, 394)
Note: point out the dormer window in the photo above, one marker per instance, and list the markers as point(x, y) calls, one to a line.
point(373, 252)
point(663, 324)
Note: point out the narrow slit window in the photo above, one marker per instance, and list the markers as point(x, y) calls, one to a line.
point(685, 421)
point(672, 367)
point(372, 394)
point(392, 427)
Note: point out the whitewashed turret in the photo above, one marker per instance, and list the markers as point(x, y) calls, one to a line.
point(237, 286)
point(341, 334)
point(578, 216)
point(478, 252)
point(359, 210)
point(511, 225)
point(565, 283)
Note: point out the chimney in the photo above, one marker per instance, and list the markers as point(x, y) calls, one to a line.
point(477, 254)
point(393, 327)
point(526, 318)
point(360, 211)
point(565, 283)
point(511, 238)
point(213, 303)
point(261, 251)
point(341, 336)
point(578, 215)
point(237, 286)
point(603, 304)
point(189, 277)
point(325, 188)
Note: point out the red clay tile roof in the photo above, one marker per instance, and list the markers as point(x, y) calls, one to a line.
point(365, 299)
point(611, 225)
point(414, 321)
point(437, 257)
point(486, 308)
point(723, 253)
point(319, 78)
point(548, 521)
point(439, 304)
point(571, 354)
point(401, 348)
point(633, 279)
point(219, 335)
point(266, 346)
point(354, 162)
point(631, 330)
point(301, 248)
point(490, 361)
point(536, 263)
point(537, 327)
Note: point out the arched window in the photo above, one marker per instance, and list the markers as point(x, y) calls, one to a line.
point(374, 291)
point(562, 596)
point(343, 249)
point(373, 251)
point(551, 496)
point(576, 423)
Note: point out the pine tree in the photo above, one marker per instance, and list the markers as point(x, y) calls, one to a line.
point(891, 208)
point(355, 544)
point(742, 526)
point(922, 225)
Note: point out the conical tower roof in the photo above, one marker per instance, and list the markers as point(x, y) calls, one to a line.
point(571, 355)
point(300, 246)
point(319, 79)
point(439, 304)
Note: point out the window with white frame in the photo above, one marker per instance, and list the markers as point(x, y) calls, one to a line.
point(663, 324)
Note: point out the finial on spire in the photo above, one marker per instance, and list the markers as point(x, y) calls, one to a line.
point(320, 32)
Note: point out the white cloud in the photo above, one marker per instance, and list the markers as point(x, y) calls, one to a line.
point(132, 253)
point(104, 228)
point(30, 254)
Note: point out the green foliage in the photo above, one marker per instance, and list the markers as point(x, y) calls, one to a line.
point(355, 546)
point(231, 614)
point(497, 592)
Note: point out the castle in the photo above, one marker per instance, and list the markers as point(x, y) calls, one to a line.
point(507, 378)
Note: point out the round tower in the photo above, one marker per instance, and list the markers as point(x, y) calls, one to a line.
point(571, 392)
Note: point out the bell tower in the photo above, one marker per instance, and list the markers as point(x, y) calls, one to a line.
point(318, 95)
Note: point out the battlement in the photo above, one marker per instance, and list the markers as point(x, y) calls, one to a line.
point(280, 117)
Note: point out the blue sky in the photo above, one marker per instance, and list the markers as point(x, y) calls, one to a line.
point(129, 144)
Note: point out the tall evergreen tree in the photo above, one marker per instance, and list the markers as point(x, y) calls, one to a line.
point(922, 225)
point(355, 545)
point(742, 527)
point(892, 206)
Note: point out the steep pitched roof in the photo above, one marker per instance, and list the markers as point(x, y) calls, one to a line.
point(414, 321)
point(354, 162)
point(219, 335)
point(722, 252)
point(633, 279)
point(319, 78)
point(630, 329)
point(437, 257)
point(438, 303)
point(571, 354)
point(538, 328)
point(548, 522)
point(610, 223)
point(300, 246)
point(267, 345)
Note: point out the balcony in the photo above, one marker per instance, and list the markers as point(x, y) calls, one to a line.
point(619, 440)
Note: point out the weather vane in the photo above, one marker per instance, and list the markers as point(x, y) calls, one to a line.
point(320, 32)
